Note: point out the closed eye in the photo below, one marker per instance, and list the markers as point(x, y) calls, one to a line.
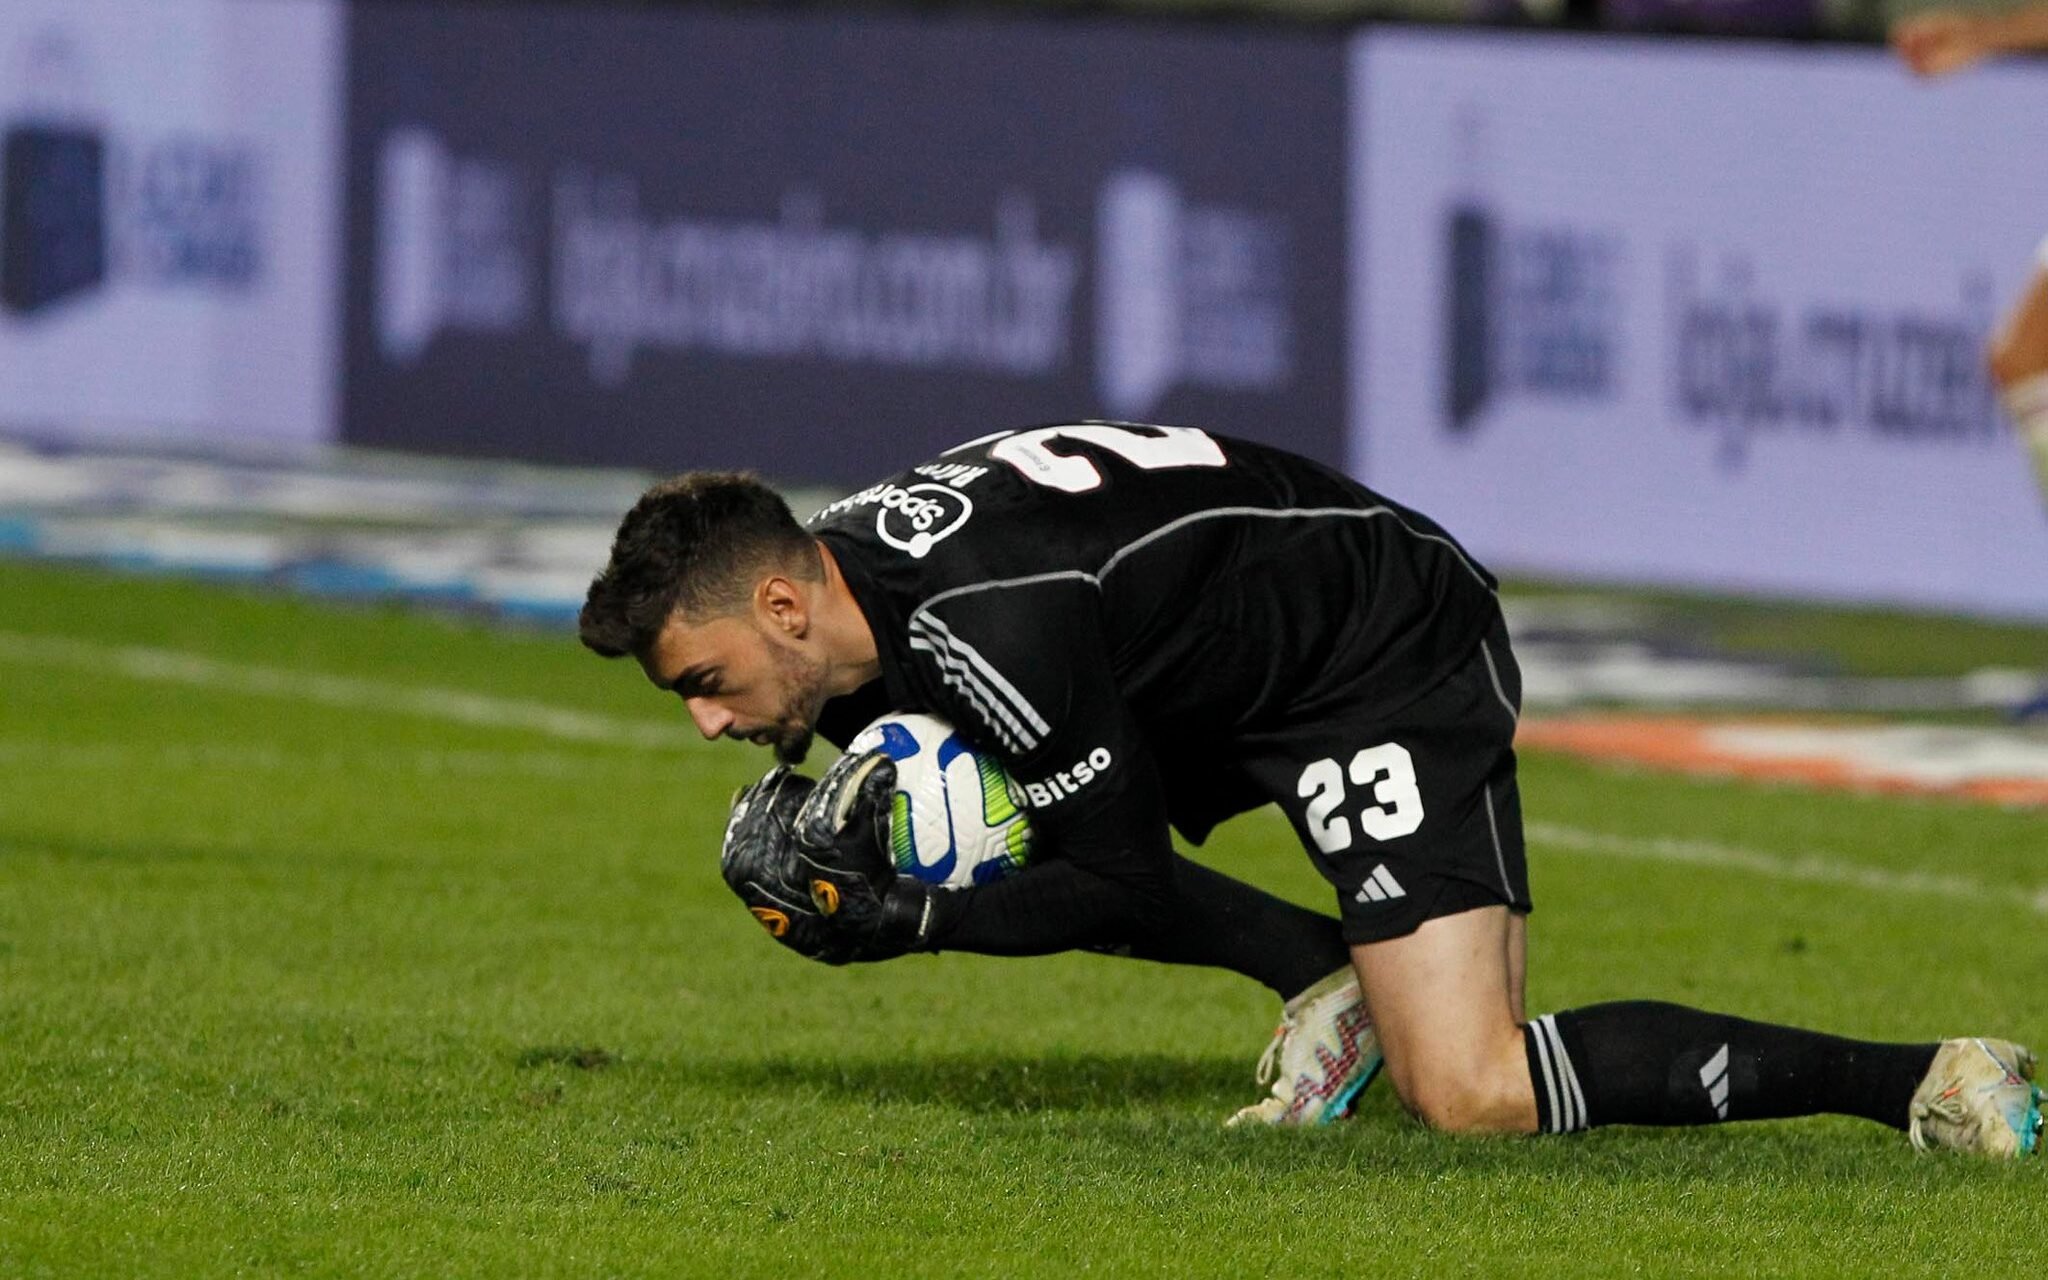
point(696, 683)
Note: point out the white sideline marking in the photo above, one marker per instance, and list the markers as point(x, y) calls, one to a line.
point(1805, 869)
point(168, 666)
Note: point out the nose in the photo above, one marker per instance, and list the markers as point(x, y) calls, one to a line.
point(711, 719)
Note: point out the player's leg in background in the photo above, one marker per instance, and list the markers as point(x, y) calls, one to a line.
point(2019, 365)
point(1227, 924)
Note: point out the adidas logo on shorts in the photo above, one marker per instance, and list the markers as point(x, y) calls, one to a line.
point(1380, 886)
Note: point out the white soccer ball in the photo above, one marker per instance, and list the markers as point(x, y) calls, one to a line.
point(954, 819)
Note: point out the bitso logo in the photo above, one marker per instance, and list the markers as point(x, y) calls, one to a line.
point(915, 519)
point(1067, 781)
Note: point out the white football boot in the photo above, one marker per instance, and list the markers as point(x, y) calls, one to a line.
point(1321, 1058)
point(1979, 1096)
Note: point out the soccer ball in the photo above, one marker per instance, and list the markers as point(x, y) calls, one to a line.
point(954, 818)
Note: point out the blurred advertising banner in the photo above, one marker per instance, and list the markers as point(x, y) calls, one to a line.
point(169, 221)
point(1708, 316)
point(824, 245)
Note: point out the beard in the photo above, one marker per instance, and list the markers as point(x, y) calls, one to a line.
point(795, 727)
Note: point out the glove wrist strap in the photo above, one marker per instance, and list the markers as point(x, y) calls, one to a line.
point(906, 916)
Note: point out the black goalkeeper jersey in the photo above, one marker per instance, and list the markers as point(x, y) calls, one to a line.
point(1123, 614)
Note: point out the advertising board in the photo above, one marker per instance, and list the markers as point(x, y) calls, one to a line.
point(169, 219)
point(827, 245)
point(1712, 315)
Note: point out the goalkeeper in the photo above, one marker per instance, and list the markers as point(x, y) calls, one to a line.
point(1210, 625)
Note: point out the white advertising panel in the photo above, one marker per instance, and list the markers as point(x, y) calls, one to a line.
point(1710, 316)
point(169, 218)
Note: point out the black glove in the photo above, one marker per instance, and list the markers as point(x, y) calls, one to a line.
point(842, 834)
point(763, 865)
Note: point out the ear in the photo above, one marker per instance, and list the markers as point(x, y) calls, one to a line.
point(781, 606)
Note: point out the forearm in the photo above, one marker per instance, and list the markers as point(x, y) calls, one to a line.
point(2015, 30)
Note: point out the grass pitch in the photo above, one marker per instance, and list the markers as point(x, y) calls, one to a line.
point(354, 942)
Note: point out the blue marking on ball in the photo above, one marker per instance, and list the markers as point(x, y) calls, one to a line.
point(899, 744)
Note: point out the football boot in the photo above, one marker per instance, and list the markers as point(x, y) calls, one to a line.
point(1979, 1096)
point(1322, 1056)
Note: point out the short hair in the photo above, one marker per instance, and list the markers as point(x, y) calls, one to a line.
point(696, 543)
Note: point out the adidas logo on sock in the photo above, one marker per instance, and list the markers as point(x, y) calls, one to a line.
point(1380, 886)
point(1714, 1078)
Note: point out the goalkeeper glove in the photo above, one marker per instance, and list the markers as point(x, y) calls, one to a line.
point(761, 863)
point(842, 833)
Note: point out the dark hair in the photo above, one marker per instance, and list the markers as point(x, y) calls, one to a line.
point(698, 543)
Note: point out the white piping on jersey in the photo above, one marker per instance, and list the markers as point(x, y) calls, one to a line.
point(1095, 579)
point(1354, 513)
point(939, 629)
point(1500, 859)
point(999, 718)
point(963, 667)
point(1078, 575)
point(1498, 691)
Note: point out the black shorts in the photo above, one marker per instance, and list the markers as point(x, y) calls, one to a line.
point(1412, 815)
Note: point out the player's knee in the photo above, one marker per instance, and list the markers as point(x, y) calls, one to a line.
point(1462, 1099)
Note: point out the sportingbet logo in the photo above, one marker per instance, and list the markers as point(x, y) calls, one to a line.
point(1066, 782)
point(912, 519)
point(1186, 293)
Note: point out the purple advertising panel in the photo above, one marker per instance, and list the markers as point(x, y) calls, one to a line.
point(823, 246)
point(169, 227)
point(1711, 316)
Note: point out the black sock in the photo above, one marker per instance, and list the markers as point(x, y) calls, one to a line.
point(1643, 1062)
point(1227, 924)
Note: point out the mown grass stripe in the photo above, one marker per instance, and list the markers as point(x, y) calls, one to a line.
point(455, 706)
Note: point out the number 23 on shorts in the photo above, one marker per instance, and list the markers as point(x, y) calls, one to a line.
point(1385, 775)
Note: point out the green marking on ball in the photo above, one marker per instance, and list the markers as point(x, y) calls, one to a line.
point(996, 805)
point(902, 840)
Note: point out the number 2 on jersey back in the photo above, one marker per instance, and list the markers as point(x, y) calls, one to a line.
point(1173, 447)
point(1389, 773)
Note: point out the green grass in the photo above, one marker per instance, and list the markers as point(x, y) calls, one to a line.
point(293, 987)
